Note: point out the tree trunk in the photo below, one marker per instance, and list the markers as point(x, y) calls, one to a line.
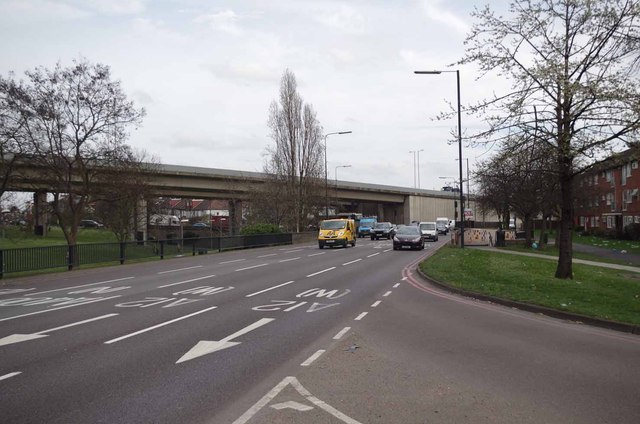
point(565, 242)
point(527, 230)
point(543, 231)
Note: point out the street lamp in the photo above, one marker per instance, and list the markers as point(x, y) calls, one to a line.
point(326, 181)
point(459, 145)
point(336, 172)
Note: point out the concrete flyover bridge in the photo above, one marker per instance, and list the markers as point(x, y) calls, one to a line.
point(399, 205)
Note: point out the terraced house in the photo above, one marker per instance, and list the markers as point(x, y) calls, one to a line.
point(608, 198)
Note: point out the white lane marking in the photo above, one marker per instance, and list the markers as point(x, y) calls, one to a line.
point(294, 306)
point(320, 272)
point(289, 260)
point(352, 262)
point(386, 294)
point(303, 392)
point(266, 256)
point(230, 262)
point(312, 358)
point(17, 338)
point(159, 325)
point(404, 278)
point(84, 285)
point(396, 285)
point(374, 254)
point(376, 303)
point(186, 281)
point(57, 309)
point(362, 315)
point(251, 267)
point(385, 251)
point(297, 406)
point(180, 269)
point(204, 347)
point(13, 374)
point(341, 333)
point(270, 288)
point(316, 254)
point(291, 251)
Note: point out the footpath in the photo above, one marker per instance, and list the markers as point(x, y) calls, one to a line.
point(633, 260)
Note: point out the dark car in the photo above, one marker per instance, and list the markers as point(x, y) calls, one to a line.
point(382, 230)
point(408, 236)
point(200, 225)
point(90, 223)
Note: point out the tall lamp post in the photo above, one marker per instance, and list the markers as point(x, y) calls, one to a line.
point(459, 146)
point(326, 181)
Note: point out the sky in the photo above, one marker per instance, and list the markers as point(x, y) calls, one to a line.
point(207, 71)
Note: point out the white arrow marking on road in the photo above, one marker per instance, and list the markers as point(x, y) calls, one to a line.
point(204, 347)
point(17, 338)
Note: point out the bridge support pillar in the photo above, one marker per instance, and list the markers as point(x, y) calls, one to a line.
point(40, 213)
point(235, 216)
point(140, 227)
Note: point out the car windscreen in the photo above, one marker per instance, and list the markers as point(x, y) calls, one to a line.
point(408, 230)
point(383, 225)
point(332, 225)
point(429, 226)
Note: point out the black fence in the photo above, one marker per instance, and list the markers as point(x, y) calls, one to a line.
point(70, 257)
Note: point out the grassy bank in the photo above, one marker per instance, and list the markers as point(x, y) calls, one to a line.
point(17, 237)
point(551, 250)
point(594, 291)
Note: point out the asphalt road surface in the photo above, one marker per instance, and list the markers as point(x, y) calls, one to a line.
point(295, 334)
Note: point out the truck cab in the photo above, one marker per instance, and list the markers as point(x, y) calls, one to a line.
point(365, 226)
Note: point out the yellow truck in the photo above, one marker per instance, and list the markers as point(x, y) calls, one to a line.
point(337, 232)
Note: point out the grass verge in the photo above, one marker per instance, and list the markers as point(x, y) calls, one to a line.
point(551, 250)
point(594, 291)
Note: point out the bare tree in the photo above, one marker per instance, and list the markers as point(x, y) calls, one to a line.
point(75, 121)
point(11, 143)
point(296, 158)
point(116, 202)
point(573, 61)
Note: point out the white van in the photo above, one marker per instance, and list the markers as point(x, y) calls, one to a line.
point(428, 230)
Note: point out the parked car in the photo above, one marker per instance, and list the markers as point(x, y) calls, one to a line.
point(408, 236)
point(382, 230)
point(429, 231)
point(90, 223)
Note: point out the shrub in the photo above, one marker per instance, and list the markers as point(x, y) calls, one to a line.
point(632, 232)
point(260, 229)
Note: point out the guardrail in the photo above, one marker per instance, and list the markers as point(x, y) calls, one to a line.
point(70, 257)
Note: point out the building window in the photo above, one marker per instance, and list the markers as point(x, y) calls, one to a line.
point(628, 220)
point(582, 221)
point(610, 221)
point(634, 164)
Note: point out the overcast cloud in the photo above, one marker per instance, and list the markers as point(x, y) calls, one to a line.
point(206, 72)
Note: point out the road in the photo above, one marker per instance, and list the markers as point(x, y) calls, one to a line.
point(296, 334)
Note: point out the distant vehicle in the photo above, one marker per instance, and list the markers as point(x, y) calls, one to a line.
point(512, 224)
point(408, 236)
point(365, 226)
point(442, 225)
point(164, 220)
point(200, 225)
point(382, 230)
point(337, 232)
point(90, 223)
point(429, 231)
point(452, 224)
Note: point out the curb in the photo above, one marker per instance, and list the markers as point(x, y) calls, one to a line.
point(554, 313)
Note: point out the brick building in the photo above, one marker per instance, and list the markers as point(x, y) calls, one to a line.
point(609, 198)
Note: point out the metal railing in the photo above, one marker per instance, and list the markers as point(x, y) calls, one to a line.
point(70, 257)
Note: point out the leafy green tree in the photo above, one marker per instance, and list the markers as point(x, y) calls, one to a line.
point(571, 68)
